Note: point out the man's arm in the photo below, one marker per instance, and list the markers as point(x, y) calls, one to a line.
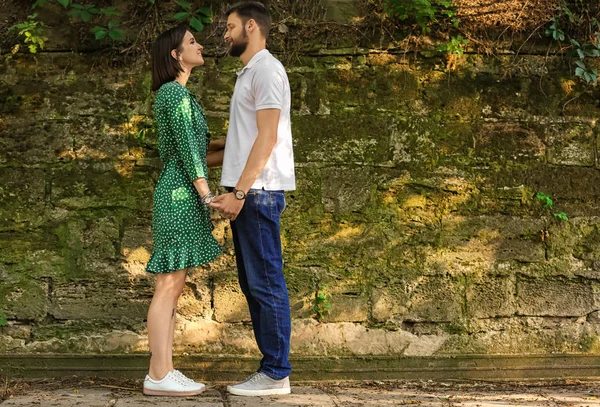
point(267, 121)
point(214, 158)
point(216, 145)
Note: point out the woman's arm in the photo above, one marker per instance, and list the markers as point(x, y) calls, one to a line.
point(201, 186)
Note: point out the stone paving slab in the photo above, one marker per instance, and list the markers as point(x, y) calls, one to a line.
point(320, 396)
point(301, 396)
point(210, 398)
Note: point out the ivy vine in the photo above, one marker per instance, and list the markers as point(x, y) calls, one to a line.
point(582, 49)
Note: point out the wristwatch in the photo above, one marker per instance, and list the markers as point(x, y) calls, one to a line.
point(208, 198)
point(239, 194)
point(206, 201)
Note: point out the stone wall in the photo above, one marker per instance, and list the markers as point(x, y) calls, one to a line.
point(415, 211)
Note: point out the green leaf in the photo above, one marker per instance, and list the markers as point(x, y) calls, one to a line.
point(33, 48)
point(561, 216)
point(3, 321)
point(64, 3)
point(204, 10)
point(579, 71)
point(109, 11)
point(196, 24)
point(85, 16)
point(116, 33)
point(99, 32)
point(580, 53)
point(184, 5)
point(112, 24)
point(182, 15)
point(581, 65)
point(38, 3)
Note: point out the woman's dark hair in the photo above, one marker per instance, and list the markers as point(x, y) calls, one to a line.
point(165, 68)
point(253, 10)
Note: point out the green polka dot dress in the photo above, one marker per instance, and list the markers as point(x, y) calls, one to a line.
point(181, 226)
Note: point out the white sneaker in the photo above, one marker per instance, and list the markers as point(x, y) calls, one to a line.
point(259, 384)
point(185, 378)
point(171, 385)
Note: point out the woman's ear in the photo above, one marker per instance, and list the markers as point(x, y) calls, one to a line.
point(174, 54)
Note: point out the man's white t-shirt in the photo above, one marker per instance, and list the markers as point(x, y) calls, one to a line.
point(261, 84)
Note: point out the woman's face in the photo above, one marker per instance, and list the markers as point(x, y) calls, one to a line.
point(191, 55)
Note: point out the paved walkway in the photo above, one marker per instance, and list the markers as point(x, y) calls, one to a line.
point(334, 395)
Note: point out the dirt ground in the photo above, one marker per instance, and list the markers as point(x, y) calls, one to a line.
point(336, 393)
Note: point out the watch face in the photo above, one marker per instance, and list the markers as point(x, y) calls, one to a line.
point(208, 200)
point(240, 194)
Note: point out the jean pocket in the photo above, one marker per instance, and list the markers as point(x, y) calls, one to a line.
point(276, 204)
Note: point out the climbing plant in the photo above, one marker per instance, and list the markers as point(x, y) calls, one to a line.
point(106, 21)
point(32, 33)
point(423, 12)
point(578, 27)
point(426, 13)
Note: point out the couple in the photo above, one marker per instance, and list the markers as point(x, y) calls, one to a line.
point(258, 166)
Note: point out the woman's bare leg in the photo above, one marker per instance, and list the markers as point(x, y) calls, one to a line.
point(172, 332)
point(161, 317)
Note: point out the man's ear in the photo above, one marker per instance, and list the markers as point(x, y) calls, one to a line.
point(251, 25)
point(174, 54)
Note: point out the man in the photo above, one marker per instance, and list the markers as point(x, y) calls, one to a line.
point(258, 166)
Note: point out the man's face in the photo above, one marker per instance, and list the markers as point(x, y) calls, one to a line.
point(235, 36)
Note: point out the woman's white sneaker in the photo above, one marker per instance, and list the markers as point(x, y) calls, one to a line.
point(172, 385)
point(185, 378)
point(259, 384)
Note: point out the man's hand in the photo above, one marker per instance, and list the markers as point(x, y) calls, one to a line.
point(228, 205)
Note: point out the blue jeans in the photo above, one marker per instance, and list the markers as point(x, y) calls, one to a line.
point(259, 261)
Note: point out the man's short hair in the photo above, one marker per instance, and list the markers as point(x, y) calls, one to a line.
point(255, 10)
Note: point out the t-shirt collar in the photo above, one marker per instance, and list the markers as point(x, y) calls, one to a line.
point(257, 57)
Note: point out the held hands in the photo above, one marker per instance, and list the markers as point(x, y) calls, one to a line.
point(228, 205)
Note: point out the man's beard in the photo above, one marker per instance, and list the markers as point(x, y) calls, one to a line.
point(238, 48)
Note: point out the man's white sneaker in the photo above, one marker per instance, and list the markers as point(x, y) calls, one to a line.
point(171, 385)
point(259, 384)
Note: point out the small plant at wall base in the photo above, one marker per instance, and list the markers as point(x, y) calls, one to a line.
point(3, 321)
point(322, 302)
point(547, 204)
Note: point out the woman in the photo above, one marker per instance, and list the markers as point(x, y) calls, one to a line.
point(181, 226)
